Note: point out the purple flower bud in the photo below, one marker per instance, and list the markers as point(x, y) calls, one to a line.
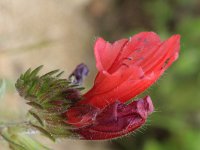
point(79, 73)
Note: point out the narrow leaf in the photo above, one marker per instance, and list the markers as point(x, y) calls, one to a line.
point(36, 117)
point(50, 73)
point(35, 105)
point(45, 132)
point(58, 75)
point(35, 72)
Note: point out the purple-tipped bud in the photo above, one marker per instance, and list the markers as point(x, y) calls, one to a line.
point(79, 73)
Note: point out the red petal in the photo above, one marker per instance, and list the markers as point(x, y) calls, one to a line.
point(166, 51)
point(113, 80)
point(138, 44)
point(106, 53)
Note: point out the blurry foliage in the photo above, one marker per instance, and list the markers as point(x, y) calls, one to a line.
point(2, 88)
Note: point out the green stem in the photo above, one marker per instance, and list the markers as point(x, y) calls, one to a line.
point(23, 126)
point(17, 135)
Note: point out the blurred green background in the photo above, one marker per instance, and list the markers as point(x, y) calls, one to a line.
point(52, 32)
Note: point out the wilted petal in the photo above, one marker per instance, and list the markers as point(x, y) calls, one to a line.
point(117, 119)
point(80, 116)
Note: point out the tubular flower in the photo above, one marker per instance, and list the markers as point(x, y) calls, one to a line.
point(125, 69)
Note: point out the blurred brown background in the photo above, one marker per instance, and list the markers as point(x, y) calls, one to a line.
point(60, 34)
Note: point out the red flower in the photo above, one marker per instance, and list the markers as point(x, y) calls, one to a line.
point(126, 68)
